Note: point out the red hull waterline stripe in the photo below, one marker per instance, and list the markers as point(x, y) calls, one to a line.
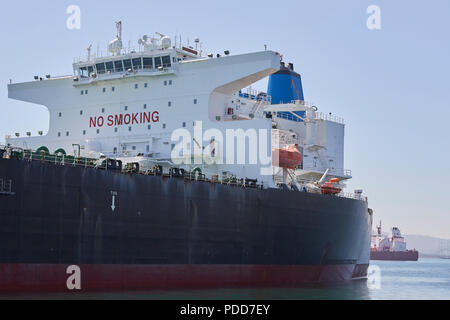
point(25, 278)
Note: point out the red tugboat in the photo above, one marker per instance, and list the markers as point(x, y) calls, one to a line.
point(391, 248)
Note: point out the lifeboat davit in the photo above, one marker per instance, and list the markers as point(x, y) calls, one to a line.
point(288, 157)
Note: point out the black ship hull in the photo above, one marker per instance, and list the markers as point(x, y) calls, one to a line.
point(131, 231)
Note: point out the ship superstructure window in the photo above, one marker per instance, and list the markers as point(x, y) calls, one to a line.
point(98, 131)
point(81, 112)
point(149, 127)
point(136, 86)
point(104, 89)
point(127, 64)
point(146, 85)
point(109, 67)
point(115, 150)
point(84, 72)
point(113, 89)
point(60, 114)
point(118, 65)
point(103, 110)
point(67, 133)
point(84, 132)
point(166, 62)
point(126, 108)
point(158, 62)
point(148, 63)
point(195, 101)
point(165, 83)
point(164, 126)
point(129, 128)
point(184, 124)
point(59, 134)
point(86, 92)
point(145, 106)
point(90, 70)
point(137, 63)
point(82, 92)
point(116, 130)
point(169, 103)
point(170, 82)
point(100, 68)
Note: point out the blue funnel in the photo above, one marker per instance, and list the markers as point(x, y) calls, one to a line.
point(285, 86)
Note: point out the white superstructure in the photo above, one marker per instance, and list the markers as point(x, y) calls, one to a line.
point(129, 104)
point(395, 242)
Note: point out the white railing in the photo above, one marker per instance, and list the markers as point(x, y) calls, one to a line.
point(329, 117)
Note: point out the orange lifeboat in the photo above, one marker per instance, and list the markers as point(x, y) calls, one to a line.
point(288, 157)
point(329, 188)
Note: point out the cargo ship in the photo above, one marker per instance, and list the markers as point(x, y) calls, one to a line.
point(391, 248)
point(162, 168)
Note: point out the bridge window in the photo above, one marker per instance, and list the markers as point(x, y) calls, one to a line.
point(158, 62)
point(100, 68)
point(90, 70)
point(109, 66)
point(166, 61)
point(148, 63)
point(137, 63)
point(118, 65)
point(84, 72)
point(127, 64)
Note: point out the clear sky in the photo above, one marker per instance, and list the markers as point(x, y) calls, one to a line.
point(391, 85)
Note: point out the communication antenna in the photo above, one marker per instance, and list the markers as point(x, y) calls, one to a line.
point(89, 52)
point(119, 30)
point(115, 46)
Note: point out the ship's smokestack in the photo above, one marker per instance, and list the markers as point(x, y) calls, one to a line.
point(285, 86)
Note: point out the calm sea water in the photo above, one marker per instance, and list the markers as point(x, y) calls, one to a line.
point(425, 279)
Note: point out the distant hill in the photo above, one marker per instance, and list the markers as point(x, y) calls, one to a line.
point(424, 244)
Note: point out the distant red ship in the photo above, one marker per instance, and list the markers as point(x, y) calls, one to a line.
point(391, 248)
